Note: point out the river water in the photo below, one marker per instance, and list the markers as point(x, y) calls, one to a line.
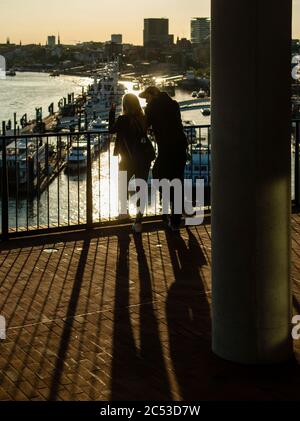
point(26, 91)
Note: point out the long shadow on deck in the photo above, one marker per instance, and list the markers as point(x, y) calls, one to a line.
point(138, 372)
point(67, 331)
point(188, 317)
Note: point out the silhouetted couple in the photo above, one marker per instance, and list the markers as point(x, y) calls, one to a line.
point(162, 114)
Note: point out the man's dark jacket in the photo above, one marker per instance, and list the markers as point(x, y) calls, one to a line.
point(163, 114)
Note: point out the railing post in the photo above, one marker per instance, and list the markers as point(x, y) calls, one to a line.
point(89, 186)
point(4, 234)
point(15, 124)
point(297, 140)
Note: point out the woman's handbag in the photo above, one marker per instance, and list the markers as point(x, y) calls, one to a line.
point(144, 148)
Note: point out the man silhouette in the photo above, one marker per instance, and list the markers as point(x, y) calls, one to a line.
point(163, 114)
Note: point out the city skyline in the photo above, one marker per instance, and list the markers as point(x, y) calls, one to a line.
point(78, 21)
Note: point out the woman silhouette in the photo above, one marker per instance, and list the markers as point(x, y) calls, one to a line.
point(132, 144)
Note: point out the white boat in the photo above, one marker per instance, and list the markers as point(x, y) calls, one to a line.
point(26, 159)
point(201, 94)
point(68, 122)
point(55, 73)
point(104, 91)
point(77, 157)
point(10, 73)
point(198, 165)
point(100, 126)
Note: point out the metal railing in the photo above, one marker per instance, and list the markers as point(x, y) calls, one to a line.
point(296, 163)
point(66, 181)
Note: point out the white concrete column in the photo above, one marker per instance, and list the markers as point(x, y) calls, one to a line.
point(251, 201)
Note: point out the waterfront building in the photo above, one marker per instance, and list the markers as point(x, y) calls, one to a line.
point(51, 41)
point(156, 33)
point(200, 30)
point(117, 38)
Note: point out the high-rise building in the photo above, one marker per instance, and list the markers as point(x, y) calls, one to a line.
point(117, 38)
point(156, 33)
point(51, 40)
point(200, 30)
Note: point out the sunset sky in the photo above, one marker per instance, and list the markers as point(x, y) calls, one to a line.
point(85, 20)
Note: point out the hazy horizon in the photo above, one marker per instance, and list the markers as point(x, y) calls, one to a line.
point(77, 21)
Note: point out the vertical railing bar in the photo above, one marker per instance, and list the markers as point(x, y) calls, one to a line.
point(208, 164)
point(48, 181)
point(297, 140)
point(78, 187)
point(192, 162)
point(38, 143)
point(58, 193)
point(157, 193)
point(200, 152)
point(89, 186)
point(69, 144)
point(109, 192)
point(27, 186)
point(17, 183)
point(99, 168)
point(4, 202)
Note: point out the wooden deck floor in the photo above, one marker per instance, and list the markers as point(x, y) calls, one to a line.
point(108, 315)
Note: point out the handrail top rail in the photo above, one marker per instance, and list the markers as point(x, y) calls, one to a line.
point(93, 132)
point(83, 133)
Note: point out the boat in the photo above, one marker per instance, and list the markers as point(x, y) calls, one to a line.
point(205, 112)
point(136, 86)
point(26, 159)
point(194, 94)
point(68, 122)
point(55, 73)
point(103, 92)
point(77, 157)
point(10, 73)
point(198, 165)
point(102, 127)
point(201, 94)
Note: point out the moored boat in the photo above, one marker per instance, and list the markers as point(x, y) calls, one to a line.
point(55, 73)
point(26, 159)
point(11, 73)
point(100, 126)
point(77, 156)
